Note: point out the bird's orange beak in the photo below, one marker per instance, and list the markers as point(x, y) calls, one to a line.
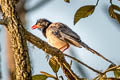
point(34, 27)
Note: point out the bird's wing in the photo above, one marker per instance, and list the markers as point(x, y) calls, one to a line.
point(63, 32)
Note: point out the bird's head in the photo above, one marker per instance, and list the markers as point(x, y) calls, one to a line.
point(41, 23)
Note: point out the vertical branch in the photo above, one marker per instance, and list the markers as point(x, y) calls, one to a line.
point(18, 41)
point(10, 57)
point(11, 64)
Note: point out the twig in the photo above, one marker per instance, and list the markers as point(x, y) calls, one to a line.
point(111, 2)
point(61, 77)
point(70, 63)
point(97, 2)
point(109, 69)
point(57, 76)
point(3, 22)
point(83, 64)
point(48, 75)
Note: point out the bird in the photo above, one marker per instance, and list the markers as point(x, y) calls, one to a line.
point(60, 36)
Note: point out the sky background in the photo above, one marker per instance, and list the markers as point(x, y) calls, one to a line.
point(99, 31)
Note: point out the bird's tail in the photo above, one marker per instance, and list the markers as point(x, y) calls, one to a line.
point(94, 52)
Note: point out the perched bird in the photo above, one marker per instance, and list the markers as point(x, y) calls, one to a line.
point(61, 36)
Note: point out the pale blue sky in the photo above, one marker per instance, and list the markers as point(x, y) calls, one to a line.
point(99, 31)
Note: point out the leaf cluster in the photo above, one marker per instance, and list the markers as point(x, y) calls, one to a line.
point(87, 10)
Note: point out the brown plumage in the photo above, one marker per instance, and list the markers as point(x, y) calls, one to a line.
point(61, 36)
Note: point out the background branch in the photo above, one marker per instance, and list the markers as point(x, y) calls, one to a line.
point(38, 5)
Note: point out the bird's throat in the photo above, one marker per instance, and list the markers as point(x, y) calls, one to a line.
point(44, 31)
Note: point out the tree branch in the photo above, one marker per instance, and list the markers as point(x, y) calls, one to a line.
point(39, 43)
point(18, 41)
point(108, 70)
point(54, 52)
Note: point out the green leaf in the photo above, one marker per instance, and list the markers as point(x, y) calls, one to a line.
point(112, 12)
point(53, 64)
point(68, 1)
point(115, 70)
point(39, 77)
point(102, 77)
point(96, 78)
point(117, 73)
point(83, 12)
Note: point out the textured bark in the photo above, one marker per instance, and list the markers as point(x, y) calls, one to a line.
point(54, 52)
point(18, 41)
point(19, 47)
point(10, 57)
point(11, 64)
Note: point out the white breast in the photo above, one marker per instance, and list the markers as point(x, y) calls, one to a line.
point(54, 41)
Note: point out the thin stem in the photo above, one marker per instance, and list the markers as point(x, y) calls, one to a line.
point(48, 75)
point(109, 69)
point(56, 76)
point(70, 63)
point(83, 64)
point(111, 2)
point(61, 77)
point(2, 22)
point(97, 2)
